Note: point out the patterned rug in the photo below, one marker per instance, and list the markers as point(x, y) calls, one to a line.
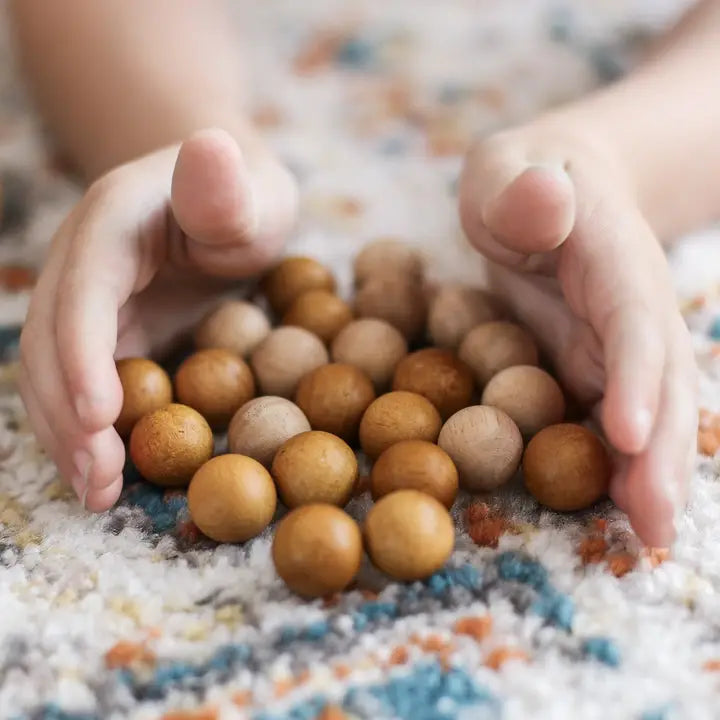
point(131, 614)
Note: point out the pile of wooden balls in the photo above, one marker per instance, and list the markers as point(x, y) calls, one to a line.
point(298, 399)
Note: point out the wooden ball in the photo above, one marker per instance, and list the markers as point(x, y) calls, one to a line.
point(319, 311)
point(317, 550)
point(232, 498)
point(388, 257)
point(440, 376)
point(315, 467)
point(494, 346)
point(400, 302)
point(234, 325)
point(374, 346)
point(286, 354)
point(169, 445)
point(215, 382)
point(455, 310)
point(397, 416)
point(485, 445)
point(261, 426)
point(334, 398)
point(529, 395)
point(291, 278)
point(409, 535)
point(566, 467)
point(415, 465)
point(146, 387)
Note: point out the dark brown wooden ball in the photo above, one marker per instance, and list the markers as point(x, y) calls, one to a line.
point(315, 467)
point(400, 302)
point(415, 465)
point(398, 416)
point(169, 445)
point(232, 498)
point(334, 398)
point(317, 550)
point(319, 311)
point(146, 387)
point(216, 383)
point(291, 278)
point(566, 467)
point(409, 535)
point(440, 376)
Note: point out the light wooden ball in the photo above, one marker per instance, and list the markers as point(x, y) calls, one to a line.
point(566, 467)
point(317, 550)
point(234, 325)
point(215, 382)
point(291, 278)
point(146, 387)
point(319, 311)
point(440, 376)
point(398, 416)
point(261, 426)
point(232, 498)
point(409, 535)
point(374, 346)
point(485, 445)
point(494, 346)
point(529, 395)
point(286, 354)
point(400, 302)
point(169, 445)
point(388, 257)
point(415, 465)
point(455, 310)
point(334, 398)
point(315, 467)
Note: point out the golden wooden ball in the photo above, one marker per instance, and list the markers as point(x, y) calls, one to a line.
point(261, 426)
point(415, 465)
point(566, 467)
point(440, 376)
point(494, 346)
point(409, 535)
point(397, 416)
point(291, 278)
point(398, 301)
point(372, 345)
point(334, 398)
point(286, 354)
point(315, 467)
point(215, 382)
point(169, 445)
point(232, 498)
point(146, 387)
point(485, 445)
point(388, 257)
point(529, 395)
point(234, 325)
point(319, 311)
point(317, 550)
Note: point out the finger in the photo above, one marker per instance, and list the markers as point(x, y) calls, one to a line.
point(233, 207)
point(102, 499)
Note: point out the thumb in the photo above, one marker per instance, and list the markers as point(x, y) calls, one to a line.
point(233, 206)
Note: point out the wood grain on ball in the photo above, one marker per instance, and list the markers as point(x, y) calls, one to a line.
point(317, 550)
point(398, 416)
point(234, 325)
point(409, 535)
point(566, 467)
point(286, 354)
point(315, 467)
point(319, 311)
point(334, 398)
point(485, 445)
point(291, 278)
point(146, 387)
point(456, 309)
point(232, 498)
point(261, 426)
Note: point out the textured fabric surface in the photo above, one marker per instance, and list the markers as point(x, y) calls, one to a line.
point(131, 614)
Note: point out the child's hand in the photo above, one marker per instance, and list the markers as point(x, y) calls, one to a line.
point(133, 265)
point(579, 263)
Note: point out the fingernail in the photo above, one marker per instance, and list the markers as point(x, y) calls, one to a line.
point(83, 463)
